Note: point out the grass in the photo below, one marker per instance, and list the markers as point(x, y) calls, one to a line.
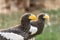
point(49, 33)
point(8, 20)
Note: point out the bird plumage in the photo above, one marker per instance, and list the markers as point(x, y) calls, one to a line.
point(39, 24)
point(10, 36)
point(20, 32)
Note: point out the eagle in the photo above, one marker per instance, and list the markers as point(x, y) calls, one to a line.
point(19, 32)
point(38, 25)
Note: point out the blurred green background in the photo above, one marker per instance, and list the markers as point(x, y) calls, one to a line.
point(49, 33)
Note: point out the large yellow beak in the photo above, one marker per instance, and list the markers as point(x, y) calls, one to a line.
point(47, 17)
point(32, 17)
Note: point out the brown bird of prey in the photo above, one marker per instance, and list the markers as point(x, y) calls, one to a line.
point(38, 25)
point(19, 32)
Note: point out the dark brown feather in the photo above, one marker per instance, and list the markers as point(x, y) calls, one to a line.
point(39, 24)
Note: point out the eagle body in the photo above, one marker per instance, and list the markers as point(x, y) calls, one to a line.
point(13, 34)
point(10, 36)
point(20, 32)
point(39, 24)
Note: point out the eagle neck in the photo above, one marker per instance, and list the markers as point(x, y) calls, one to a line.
point(41, 21)
point(41, 25)
point(25, 22)
point(25, 25)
